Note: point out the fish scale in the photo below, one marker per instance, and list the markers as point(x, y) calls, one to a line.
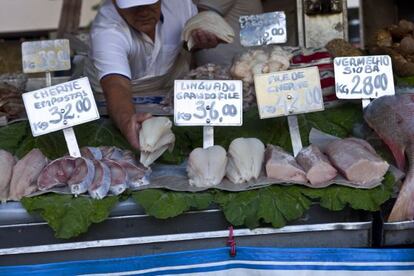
point(392, 118)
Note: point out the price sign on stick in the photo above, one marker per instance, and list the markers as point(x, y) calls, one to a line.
point(287, 93)
point(61, 106)
point(208, 103)
point(363, 77)
point(263, 29)
point(46, 56)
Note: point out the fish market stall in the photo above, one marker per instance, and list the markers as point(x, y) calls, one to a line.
point(295, 145)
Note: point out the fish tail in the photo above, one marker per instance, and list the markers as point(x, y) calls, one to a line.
point(402, 210)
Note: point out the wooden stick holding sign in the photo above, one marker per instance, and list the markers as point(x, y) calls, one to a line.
point(287, 93)
point(363, 77)
point(56, 107)
point(208, 103)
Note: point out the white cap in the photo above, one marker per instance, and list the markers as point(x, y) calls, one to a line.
point(124, 4)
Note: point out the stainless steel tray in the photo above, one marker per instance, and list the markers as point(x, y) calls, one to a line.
point(129, 232)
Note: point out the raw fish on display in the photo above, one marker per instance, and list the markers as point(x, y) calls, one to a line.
point(82, 176)
point(91, 153)
point(112, 153)
point(119, 177)
point(138, 175)
point(100, 185)
point(25, 174)
point(316, 165)
point(245, 159)
point(355, 161)
point(206, 167)
point(155, 137)
point(392, 118)
point(282, 166)
point(7, 162)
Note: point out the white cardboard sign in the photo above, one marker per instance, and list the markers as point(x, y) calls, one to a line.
point(289, 92)
point(263, 29)
point(208, 102)
point(363, 77)
point(61, 106)
point(46, 56)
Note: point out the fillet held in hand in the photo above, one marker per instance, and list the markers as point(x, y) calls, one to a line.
point(155, 137)
point(246, 156)
point(208, 21)
point(207, 167)
point(392, 118)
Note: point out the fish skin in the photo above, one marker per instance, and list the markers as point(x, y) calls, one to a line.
point(7, 162)
point(101, 181)
point(119, 177)
point(392, 118)
point(82, 176)
point(25, 174)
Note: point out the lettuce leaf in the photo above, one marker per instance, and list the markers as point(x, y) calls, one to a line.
point(69, 216)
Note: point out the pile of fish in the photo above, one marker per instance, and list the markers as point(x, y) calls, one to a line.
point(208, 21)
point(99, 171)
point(258, 61)
point(392, 118)
point(209, 71)
point(353, 158)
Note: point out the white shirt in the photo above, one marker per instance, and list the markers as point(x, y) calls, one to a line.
point(116, 48)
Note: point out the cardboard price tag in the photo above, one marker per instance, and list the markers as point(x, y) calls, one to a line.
point(208, 103)
point(363, 77)
point(61, 106)
point(263, 29)
point(289, 92)
point(46, 56)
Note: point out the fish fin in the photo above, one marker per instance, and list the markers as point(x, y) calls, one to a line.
point(398, 154)
point(402, 210)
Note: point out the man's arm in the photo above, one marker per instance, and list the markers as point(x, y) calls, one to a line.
point(118, 94)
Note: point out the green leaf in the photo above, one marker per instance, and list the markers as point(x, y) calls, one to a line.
point(336, 197)
point(12, 136)
point(68, 216)
point(167, 204)
point(275, 204)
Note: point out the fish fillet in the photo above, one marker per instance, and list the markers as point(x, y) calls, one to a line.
point(138, 175)
point(25, 174)
point(206, 167)
point(208, 21)
point(100, 185)
point(316, 164)
point(119, 177)
point(392, 119)
point(155, 137)
point(7, 162)
point(282, 166)
point(355, 161)
point(246, 156)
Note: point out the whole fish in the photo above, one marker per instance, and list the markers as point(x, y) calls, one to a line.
point(392, 118)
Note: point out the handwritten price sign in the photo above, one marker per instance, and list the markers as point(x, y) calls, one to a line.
point(364, 77)
point(289, 92)
point(263, 29)
point(208, 103)
point(61, 106)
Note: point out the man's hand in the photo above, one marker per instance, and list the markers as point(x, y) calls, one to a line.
point(130, 128)
point(204, 39)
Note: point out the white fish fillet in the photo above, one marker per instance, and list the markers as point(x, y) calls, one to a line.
point(355, 161)
point(317, 166)
point(246, 156)
point(7, 162)
point(25, 174)
point(208, 21)
point(206, 167)
point(155, 137)
point(282, 166)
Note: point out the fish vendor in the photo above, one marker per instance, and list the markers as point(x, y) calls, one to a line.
point(136, 47)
